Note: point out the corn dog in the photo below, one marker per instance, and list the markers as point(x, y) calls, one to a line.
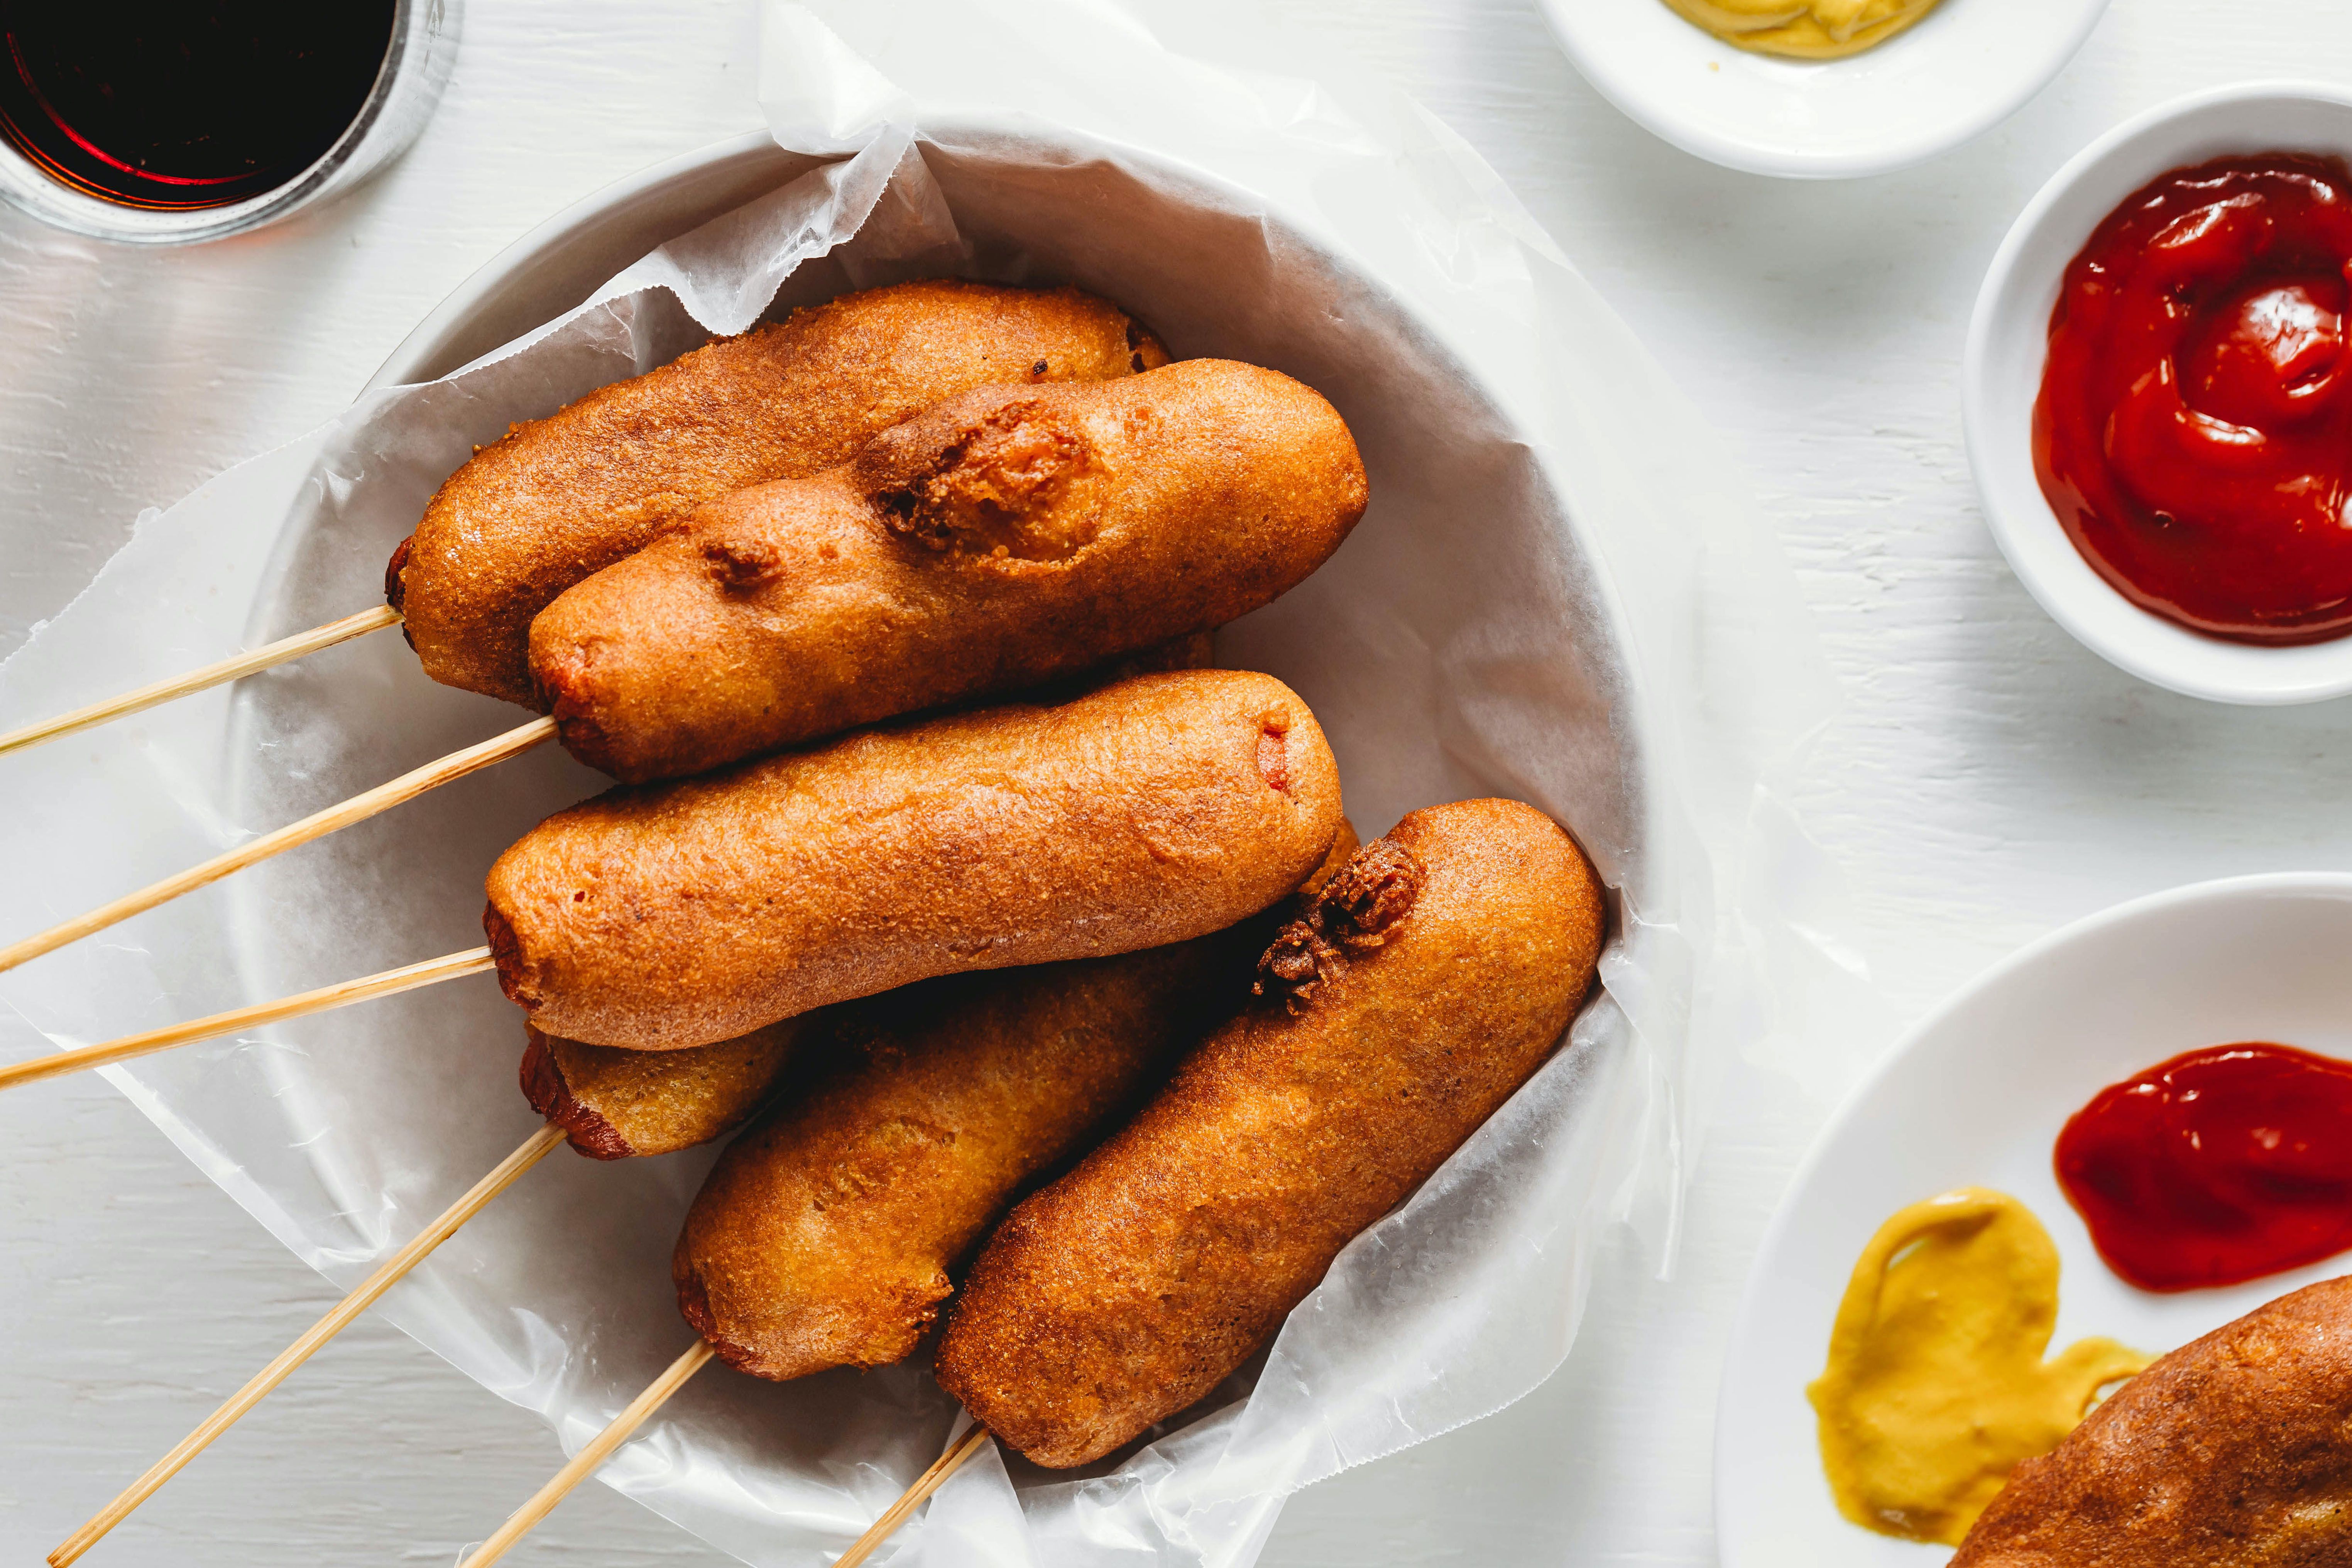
point(615, 1105)
point(1430, 978)
point(2228, 1453)
point(824, 1235)
point(560, 497)
point(1152, 810)
point(618, 1104)
point(1004, 537)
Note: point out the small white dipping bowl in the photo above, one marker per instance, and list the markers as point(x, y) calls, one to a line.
point(1964, 69)
point(2008, 340)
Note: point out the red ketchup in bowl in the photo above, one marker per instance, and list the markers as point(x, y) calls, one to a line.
point(2194, 428)
point(2216, 1167)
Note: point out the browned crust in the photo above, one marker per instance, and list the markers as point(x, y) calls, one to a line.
point(1353, 912)
point(558, 499)
point(506, 955)
point(552, 1097)
point(618, 1104)
point(1128, 1290)
point(2235, 1450)
point(694, 1306)
point(581, 732)
point(394, 591)
point(825, 1234)
point(1134, 815)
point(1000, 539)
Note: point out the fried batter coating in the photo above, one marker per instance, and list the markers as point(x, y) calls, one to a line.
point(560, 497)
point(615, 1105)
point(2235, 1450)
point(1431, 977)
point(824, 1235)
point(1152, 810)
point(1003, 537)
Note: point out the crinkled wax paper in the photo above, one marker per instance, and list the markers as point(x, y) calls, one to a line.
point(1554, 596)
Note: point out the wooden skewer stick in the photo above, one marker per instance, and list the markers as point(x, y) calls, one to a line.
point(433, 971)
point(504, 1176)
point(585, 1462)
point(912, 1497)
point(359, 808)
point(236, 668)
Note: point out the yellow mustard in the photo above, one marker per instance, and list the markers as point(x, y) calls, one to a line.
point(1804, 30)
point(1935, 1385)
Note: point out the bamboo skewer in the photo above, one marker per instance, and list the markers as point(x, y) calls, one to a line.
point(927, 1483)
point(344, 993)
point(359, 808)
point(213, 675)
point(585, 1462)
point(318, 825)
point(395, 1267)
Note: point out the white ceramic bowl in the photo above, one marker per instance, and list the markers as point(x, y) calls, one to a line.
point(2008, 340)
point(1966, 68)
point(559, 1296)
point(1977, 1096)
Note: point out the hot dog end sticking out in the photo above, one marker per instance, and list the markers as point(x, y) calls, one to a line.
point(615, 1105)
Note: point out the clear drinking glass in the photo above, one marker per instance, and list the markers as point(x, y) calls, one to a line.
point(415, 68)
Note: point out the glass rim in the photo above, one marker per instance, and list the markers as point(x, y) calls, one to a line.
point(26, 187)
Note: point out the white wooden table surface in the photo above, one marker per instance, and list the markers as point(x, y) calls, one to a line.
point(1987, 781)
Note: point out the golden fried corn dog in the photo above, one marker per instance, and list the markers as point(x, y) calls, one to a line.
point(560, 497)
point(824, 1235)
point(615, 1105)
point(1003, 537)
point(2230, 1452)
point(1430, 977)
point(1152, 810)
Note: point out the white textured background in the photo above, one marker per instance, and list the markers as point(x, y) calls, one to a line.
point(1988, 781)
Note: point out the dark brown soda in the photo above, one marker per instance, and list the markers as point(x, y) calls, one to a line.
point(174, 104)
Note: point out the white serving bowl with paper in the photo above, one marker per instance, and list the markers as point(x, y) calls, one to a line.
point(1459, 645)
point(1510, 619)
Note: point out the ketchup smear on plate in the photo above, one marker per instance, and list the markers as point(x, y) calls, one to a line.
point(2194, 429)
point(2216, 1167)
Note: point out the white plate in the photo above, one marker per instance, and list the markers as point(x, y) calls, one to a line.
point(2008, 340)
point(1965, 68)
point(1977, 1096)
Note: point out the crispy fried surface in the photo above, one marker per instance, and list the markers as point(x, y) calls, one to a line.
point(1003, 537)
point(1153, 811)
point(1128, 1290)
point(559, 498)
point(2234, 1449)
point(615, 1105)
point(824, 1235)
